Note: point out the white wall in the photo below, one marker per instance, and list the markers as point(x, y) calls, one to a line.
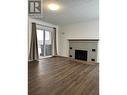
point(84, 30)
point(30, 20)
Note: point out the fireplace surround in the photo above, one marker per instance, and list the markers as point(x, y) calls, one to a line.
point(84, 49)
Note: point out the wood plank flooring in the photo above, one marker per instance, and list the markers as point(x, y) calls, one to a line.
point(62, 76)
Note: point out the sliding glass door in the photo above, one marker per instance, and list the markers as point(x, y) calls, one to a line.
point(48, 45)
point(44, 43)
point(40, 39)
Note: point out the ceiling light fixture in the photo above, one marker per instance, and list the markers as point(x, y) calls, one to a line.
point(53, 6)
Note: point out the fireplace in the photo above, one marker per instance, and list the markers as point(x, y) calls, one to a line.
point(81, 54)
point(84, 49)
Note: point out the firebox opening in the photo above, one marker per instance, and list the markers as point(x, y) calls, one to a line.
point(81, 55)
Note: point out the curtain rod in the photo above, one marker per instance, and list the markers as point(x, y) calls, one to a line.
point(46, 26)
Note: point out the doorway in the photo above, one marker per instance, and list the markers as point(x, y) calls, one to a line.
point(44, 43)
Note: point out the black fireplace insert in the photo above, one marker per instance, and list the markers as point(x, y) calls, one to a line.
point(81, 55)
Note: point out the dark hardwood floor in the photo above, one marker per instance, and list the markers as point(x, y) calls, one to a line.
point(63, 76)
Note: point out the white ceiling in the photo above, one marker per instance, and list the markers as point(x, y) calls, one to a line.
point(71, 11)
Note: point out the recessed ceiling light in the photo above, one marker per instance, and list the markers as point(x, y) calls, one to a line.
point(53, 6)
